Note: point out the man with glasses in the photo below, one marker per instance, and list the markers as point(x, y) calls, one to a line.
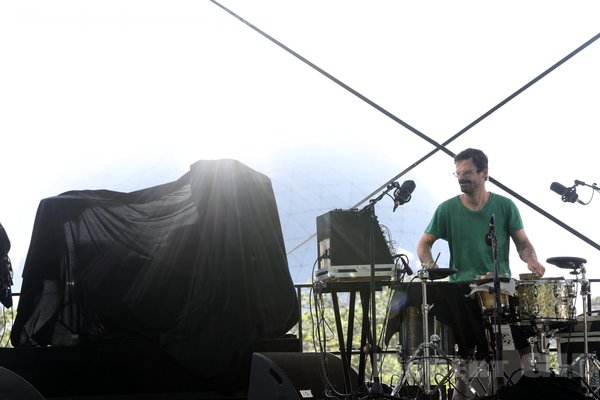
point(464, 221)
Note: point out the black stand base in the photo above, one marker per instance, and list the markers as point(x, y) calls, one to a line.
point(544, 388)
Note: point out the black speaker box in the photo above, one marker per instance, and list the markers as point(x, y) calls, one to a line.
point(13, 387)
point(296, 376)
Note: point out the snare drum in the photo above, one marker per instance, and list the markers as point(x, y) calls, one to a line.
point(546, 301)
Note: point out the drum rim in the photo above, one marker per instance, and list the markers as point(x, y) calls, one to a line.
point(530, 281)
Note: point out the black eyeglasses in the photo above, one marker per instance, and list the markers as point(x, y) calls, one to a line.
point(464, 174)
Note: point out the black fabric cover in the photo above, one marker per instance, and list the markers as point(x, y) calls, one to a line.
point(4, 242)
point(6, 272)
point(197, 264)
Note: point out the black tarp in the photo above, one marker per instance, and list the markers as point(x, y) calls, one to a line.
point(6, 272)
point(197, 264)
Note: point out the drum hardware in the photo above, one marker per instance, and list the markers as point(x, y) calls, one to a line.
point(421, 377)
point(532, 360)
point(424, 275)
point(423, 373)
point(467, 378)
point(541, 342)
point(591, 359)
point(545, 336)
point(492, 312)
point(578, 266)
point(423, 353)
point(492, 241)
point(494, 318)
point(496, 309)
point(401, 196)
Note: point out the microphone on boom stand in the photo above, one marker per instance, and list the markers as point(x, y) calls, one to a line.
point(491, 240)
point(568, 194)
point(403, 193)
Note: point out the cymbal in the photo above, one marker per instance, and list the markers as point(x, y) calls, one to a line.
point(440, 273)
point(566, 262)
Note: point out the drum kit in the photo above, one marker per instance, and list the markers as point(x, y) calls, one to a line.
point(537, 307)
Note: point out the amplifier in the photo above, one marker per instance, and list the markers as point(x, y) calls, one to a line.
point(355, 273)
point(345, 250)
point(571, 339)
point(573, 342)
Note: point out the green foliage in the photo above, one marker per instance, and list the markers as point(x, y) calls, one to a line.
point(6, 321)
point(319, 332)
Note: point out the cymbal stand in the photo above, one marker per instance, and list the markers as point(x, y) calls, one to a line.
point(424, 275)
point(429, 344)
point(585, 292)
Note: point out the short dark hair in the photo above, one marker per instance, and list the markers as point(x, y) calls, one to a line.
point(479, 158)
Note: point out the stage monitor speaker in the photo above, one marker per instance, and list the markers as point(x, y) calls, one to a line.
point(295, 376)
point(14, 387)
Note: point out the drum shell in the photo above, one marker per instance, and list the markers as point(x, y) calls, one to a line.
point(487, 301)
point(545, 301)
point(411, 332)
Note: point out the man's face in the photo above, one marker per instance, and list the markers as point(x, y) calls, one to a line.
point(469, 178)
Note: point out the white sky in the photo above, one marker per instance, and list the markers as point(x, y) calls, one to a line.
point(123, 95)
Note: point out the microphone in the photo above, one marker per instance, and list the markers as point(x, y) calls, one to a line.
point(492, 232)
point(568, 195)
point(403, 193)
point(407, 269)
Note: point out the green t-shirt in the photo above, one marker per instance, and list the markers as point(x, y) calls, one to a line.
point(466, 230)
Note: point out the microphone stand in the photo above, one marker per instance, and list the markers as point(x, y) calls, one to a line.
point(497, 310)
point(585, 292)
point(376, 390)
point(569, 195)
point(593, 185)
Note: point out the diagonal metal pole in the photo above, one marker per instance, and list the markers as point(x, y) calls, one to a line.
point(442, 146)
point(438, 147)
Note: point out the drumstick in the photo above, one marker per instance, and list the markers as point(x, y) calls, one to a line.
point(435, 261)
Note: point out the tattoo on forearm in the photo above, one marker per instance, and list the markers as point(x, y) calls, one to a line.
point(527, 253)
